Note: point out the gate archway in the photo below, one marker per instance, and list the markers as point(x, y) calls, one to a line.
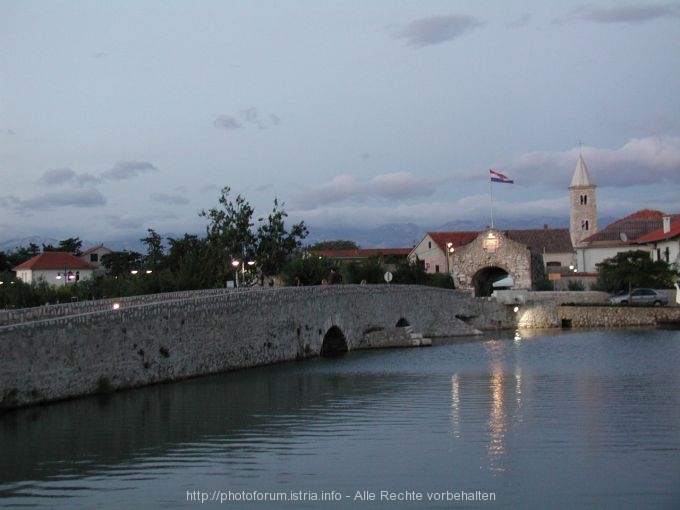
point(484, 279)
point(334, 342)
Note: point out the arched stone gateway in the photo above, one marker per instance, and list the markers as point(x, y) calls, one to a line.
point(334, 342)
point(484, 279)
point(489, 258)
point(402, 323)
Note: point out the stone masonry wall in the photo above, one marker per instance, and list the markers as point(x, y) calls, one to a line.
point(200, 333)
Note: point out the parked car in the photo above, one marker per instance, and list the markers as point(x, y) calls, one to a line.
point(640, 297)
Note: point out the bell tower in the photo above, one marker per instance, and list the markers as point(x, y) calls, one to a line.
point(583, 204)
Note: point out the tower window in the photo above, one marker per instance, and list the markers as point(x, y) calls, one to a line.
point(584, 199)
point(584, 224)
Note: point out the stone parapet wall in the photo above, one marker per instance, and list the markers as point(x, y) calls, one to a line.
point(50, 311)
point(179, 336)
point(615, 316)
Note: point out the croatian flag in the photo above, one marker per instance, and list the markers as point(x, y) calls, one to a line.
point(499, 177)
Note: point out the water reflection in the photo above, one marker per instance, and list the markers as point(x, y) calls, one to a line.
point(497, 390)
point(238, 410)
point(589, 419)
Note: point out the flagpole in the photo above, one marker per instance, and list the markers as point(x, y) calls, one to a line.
point(491, 195)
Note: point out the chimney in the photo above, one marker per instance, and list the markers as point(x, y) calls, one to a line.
point(666, 224)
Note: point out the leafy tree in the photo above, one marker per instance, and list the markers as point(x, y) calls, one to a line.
point(371, 271)
point(119, 263)
point(186, 261)
point(23, 253)
point(311, 270)
point(334, 245)
point(631, 269)
point(275, 244)
point(229, 235)
point(410, 272)
point(5, 262)
point(71, 245)
point(154, 250)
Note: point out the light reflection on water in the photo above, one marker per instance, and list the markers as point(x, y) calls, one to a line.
point(572, 420)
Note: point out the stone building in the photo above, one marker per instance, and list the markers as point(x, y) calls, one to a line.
point(583, 204)
point(493, 256)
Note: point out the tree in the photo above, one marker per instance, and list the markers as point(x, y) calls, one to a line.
point(311, 270)
point(230, 238)
point(633, 269)
point(71, 245)
point(23, 253)
point(275, 244)
point(229, 235)
point(411, 272)
point(119, 263)
point(186, 261)
point(154, 249)
point(334, 245)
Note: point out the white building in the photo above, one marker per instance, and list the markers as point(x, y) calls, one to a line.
point(94, 256)
point(664, 242)
point(57, 268)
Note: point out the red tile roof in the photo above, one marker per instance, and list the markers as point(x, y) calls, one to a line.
point(631, 228)
point(543, 240)
point(54, 260)
point(361, 253)
point(94, 248)
point(457, 238)
point(660, 235)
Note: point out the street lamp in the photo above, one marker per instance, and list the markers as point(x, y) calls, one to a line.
point(68, 276)
point(449, 253)
point(241, 263)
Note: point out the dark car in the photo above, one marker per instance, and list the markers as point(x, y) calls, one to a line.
point(640, 297)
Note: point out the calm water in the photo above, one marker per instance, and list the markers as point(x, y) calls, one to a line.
point(559, 420)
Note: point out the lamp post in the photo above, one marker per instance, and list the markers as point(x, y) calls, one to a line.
point(449, 253)
point(235, 263)
point(68, 276)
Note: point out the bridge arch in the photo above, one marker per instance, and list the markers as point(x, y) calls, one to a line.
point(334, 342)
point(484, 279)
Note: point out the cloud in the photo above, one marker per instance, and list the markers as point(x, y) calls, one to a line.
point(77, 197)
point(169, 199)
point(7, 132)
point(127, 170)
point(629, 14)
point(520, 22)
point(639, 162)
point(438, 29)
point(393, 186)
point(66, 176)
point(227, 122)
point(249, 117)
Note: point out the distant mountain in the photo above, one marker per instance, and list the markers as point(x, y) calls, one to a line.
point(12, 244)
point(392, 235)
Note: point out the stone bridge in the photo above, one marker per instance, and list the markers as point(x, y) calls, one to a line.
point(61, 351)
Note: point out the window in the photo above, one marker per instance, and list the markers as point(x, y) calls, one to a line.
point(94, 257)
point(584, 224)
point(584, 199)
point(436, 268)
point(429, 245)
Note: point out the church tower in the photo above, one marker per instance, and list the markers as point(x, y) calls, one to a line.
point(583, 206)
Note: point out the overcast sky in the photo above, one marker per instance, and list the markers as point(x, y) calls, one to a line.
point(120, 116)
